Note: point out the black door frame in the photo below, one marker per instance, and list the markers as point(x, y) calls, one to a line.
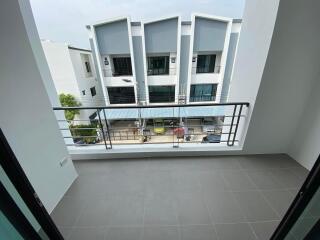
point(305, 194)
point(15, 173)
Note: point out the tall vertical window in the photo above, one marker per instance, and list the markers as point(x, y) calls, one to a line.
point(159, 94)
point(121, 95)
point(203, 92)
point(206, 63)
point(88, 68)
point(93, 91)
point(158, 65)
point(122, 66)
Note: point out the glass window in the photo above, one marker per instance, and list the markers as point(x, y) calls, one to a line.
point(203, 92)
point(88, 68)
point(93, 91)
point(159, 94)
point(122, 66)
point(206, 63)
point(120, 95)
point(158, 65)
point(83, 92)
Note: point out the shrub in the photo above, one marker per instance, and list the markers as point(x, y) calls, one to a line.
point(81, 130)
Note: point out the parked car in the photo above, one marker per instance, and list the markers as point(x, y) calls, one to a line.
point(158, 126)
point(211, 138)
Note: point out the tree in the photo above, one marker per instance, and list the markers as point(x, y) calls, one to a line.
point(68, 100)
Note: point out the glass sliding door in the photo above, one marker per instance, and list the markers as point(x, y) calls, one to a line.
point(161, 94)
point(302, 220)
point(22, 215)
point(203, 92)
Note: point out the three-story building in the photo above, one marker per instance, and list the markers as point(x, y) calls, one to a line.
point(165, 61)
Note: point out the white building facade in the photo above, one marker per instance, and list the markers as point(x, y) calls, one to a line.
point(73, 72)
point(165, 60)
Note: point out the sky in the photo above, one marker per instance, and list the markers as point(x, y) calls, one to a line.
point(65, 20)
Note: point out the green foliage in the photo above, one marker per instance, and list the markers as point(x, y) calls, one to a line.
point(68, 100)
point(80, 130)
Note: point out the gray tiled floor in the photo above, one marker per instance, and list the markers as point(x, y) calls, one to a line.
point(200, 198)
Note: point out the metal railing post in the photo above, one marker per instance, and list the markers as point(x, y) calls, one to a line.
point(107, 126)
point(237, 125)
point(231, 125)
point(101, 127)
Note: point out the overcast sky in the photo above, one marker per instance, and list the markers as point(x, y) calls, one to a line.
point(65, 20)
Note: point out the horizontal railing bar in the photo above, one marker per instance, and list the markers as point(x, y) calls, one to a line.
point(80, 136)
point(154, 135)
point(115, 143)
point(155, 106)
point(78, 128)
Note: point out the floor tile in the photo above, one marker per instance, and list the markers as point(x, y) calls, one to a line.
point(125, 210)
point(95, 213)
point(280, 200)
point(264, 179)
point(160, 209)
point(239, 231)
point(286, 178)
point(211, 181)
point(124, 233)
point(198, 232)
point(224, 208)
point(264, 230)
point(68, 211)
point(186, 182)
point(161, 233)
point(192, 209)
point(238, 181)
point(159, 182)
point(255, 206)
point(87, 233)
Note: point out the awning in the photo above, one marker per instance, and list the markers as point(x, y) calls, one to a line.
point(172, 112)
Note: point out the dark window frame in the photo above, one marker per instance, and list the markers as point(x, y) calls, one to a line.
point(93, 91)
point(154, 65)
point(121, 95)
point(206, 63)
point(122, 66)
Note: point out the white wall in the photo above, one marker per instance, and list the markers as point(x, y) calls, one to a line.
point(61, 68)
point(277, 83)
point(306, 140)
point(26, 117)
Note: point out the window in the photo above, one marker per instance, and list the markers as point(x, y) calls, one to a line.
point(158, 65)
point(206, 63)
point(122, 66)
point(120, 95)
point(83, 92)
point(160, 94)
point(93, 91)
point(88, 68)
point(203, 92)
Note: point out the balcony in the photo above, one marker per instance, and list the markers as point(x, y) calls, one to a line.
point(226, 197)
point(160, 126)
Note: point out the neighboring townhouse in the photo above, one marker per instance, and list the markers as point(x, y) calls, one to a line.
point(165, 61)
point(73, 72)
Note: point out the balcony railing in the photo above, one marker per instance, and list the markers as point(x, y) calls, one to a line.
point(171, 125)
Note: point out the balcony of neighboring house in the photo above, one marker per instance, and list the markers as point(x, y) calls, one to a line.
point(119, 79)
point(206, 68)
point(161, 76)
